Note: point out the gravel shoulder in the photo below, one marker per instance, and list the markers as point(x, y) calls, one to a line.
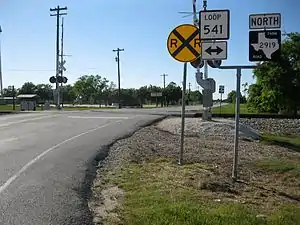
point(210, 144)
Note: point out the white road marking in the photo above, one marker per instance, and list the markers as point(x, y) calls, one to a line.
point(24, 168)
point(98, 117)
point(9, 140)
point(25, 120)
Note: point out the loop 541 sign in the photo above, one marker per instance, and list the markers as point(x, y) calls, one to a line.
point(184, 44)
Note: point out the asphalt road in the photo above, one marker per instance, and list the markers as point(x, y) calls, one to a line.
point(47, 162)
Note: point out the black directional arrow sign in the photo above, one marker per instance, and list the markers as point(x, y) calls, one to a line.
point(214, 50)
point(210, 50)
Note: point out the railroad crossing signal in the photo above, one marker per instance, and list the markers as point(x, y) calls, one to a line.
point(59, 79)
point(184, 44)
point(198, 63)
point(62, 65)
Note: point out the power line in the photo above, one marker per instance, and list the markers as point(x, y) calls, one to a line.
point(24, 70)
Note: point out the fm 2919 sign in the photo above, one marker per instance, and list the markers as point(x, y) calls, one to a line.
point(214, 24)
point(264, 45)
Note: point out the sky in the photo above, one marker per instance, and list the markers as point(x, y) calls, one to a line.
point(93, 28)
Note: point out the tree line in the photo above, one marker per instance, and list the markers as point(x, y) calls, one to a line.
point(277, 83)
point(94, 89)
point(277, 86)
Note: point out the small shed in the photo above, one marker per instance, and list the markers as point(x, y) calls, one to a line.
point(28, 102)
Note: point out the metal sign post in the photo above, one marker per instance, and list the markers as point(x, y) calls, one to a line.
point(180, 162)
point(237, 114)
point(221, 91)
point(184, 46)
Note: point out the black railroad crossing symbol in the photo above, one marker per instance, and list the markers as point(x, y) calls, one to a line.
point(184, 44)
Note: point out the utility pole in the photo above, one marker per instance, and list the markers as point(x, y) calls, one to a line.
point(118, 50)
point(1, 78)
point(58, 13)
point(205, 61)
point(164, 80)
point(189, 95)
point(62, 59)
point(14, 97)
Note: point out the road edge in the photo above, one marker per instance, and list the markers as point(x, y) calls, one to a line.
point(85, 190)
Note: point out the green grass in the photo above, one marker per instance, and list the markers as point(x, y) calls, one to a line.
point(85, 108)
point(10, 108)
point(230, 109)
point(157, 193)
point(17, 108)
point(292, 142)
point(280, 166)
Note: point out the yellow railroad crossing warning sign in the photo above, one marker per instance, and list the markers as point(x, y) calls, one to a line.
point(184, 43)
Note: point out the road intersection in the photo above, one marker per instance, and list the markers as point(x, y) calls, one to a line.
point(47, 162)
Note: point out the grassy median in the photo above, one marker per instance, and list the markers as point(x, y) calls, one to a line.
point(161, 192)
point(230, 109)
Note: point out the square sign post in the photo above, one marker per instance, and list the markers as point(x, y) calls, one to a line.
point(237, 114)
point(214, 25)
point(184, 46)
point(221, 91)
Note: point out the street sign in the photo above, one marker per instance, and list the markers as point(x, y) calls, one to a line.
point(265, 21)
point(264, 45)
point(214, 63)
point(198, 63)
point(156, 94)
point(184, 44)
point(214, 24)
point(214, 50)
point(221, 89)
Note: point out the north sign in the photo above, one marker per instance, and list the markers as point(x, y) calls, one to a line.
point(214, 50)
point(265, 21)
point(264, 45)
point(214, 24)
point(184, 44)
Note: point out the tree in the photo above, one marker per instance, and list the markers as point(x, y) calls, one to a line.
point(8, 92)
point(69, 94)
point(107, 93)
point(277, 86)
point(28, 88)
point(90, 87)
point(44, 91)
point(231, 97)
point(144, 94)
point(196, 96)
point(173, 93)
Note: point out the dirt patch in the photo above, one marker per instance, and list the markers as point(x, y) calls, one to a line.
point(208, 164)
point(106, 205)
